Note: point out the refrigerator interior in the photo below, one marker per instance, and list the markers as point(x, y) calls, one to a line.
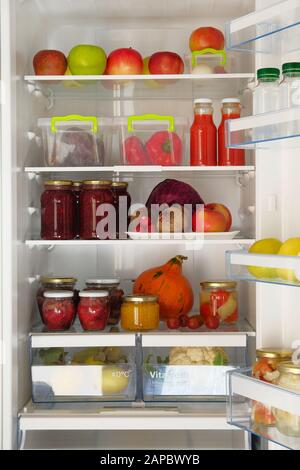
point(263, 204)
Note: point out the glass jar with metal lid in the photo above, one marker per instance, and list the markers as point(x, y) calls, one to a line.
point(55, 283)
point(140, 313)
point(115, 293)
point(218, 302)
point(266, 369)
point(94, 194)
point(93, 310)
point(58, 211)
point(59, 310)
point(289, 378)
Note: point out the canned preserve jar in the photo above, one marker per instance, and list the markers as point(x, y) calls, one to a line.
point(219, 299)
point(115, 296)
point(93, 310)
point(59, 310)
point(58, 211)
point(288, 423)
point(140, 313)
point(93, 195)
point(55, 283)
point(266, 368)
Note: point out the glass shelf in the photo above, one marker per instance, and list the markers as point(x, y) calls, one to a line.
point(273, 30)
point(143, 87)
point(271, 269)
point(247, 398)
point(265, 130)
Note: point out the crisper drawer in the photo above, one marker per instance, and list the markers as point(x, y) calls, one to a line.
point(188, 373)
point(267, 410)
point(67, 367)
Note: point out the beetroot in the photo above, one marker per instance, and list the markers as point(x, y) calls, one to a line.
point(174, 192)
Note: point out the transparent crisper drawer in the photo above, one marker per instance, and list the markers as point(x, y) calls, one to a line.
point(273, 269)
point(251, 401)
point(274, 29)
point(152, 139)
point(76, 141)
point(188, 373)
point(210, 61)
point(92, 373)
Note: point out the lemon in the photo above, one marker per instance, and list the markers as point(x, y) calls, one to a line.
point(267, 246)
point(114, 380)
point(289, 248)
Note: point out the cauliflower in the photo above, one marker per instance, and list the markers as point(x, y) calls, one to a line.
point(198, 356)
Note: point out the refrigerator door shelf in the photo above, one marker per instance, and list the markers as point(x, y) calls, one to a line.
point(272, 269)
point(249, 399)
point(272, 30)
point(278, 130)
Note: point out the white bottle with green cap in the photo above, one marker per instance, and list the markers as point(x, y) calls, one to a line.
point(266, 93)
point(290, 85)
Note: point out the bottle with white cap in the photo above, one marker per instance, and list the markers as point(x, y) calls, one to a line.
point(231, 109)
point(203, 134)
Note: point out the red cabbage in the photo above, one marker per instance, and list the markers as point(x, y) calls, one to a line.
point(174, 192)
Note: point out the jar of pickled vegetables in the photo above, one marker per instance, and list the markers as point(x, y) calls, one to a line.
point(58, 211)
point(288, 423)
point(55, 283)
point(93, 310)
point(59, 310)
point(115, 296)
point(140, 313)
point(218, 303)
point(266, 368)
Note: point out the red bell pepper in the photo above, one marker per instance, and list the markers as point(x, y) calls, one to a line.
point(134, 151)
point(164, 148)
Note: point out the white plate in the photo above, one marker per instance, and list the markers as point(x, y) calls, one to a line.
point(183, 236)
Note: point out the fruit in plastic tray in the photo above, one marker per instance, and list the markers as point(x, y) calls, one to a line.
point(164, 148)
point(289, 248)
point(114, 380)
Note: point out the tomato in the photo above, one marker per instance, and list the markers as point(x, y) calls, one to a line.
point(184, 319)
point(164, 148)
point(195, 322)
point(205, 310)
point(134, 152)
point(261, 368)
point(173, 323)
point(212, 322)
point(219, 298)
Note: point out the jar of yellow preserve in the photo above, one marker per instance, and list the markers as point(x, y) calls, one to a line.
point(140, 313)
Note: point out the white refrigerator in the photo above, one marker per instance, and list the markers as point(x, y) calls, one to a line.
point(263, 198)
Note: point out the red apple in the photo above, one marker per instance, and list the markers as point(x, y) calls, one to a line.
point(50, 62)
point(166, 63)
point(222, 210)
point(207, 37)
point(208, 221)
point(124, 61)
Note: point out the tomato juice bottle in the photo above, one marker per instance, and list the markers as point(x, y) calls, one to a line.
point(203, 135)
point(228, 156)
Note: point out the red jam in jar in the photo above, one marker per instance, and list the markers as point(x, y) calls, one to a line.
point(57, 211)
point(55, 283)
point(59, 310)
point(93, 195)
point(93, 310)
point(77, 187)
point(115, 296)
point(122, 202)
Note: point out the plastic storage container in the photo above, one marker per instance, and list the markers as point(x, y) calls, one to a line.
point(188, 373)
point(75, 140)
point(209, 61)
point(152, 140)
point(82, 374)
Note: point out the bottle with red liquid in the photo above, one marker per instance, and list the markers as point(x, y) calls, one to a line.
point(228, 156)
point(203, 135)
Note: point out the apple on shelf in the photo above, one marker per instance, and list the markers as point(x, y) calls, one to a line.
point(50, 62)
point(212, 218)
point(165, 63)
point(124, 61)
point(87, 60)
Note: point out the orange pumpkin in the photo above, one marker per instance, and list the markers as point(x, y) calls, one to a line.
point(167, 282)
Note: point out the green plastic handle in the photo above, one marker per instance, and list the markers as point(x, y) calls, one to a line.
point(74, 117)
point(151, 117)
point(220, 52)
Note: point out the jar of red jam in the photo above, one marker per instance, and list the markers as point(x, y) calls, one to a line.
point(58, 312)
point(122, 202)
point(266, 369)
point(115, 296)
point(93, 310)
point(55, 283)
point(218, 303)
point(93, 195)
point(58, 211)
point(77, 187)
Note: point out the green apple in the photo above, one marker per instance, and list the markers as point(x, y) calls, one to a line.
point(87, 60)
